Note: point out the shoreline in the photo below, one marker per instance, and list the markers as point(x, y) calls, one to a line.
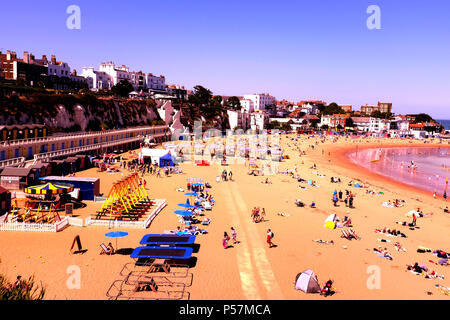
point(340, 157)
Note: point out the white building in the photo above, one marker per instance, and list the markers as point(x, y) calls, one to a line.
point(361, 123)
point(138, 80)
point(116, 73)
point(400, 123)
point(97, 80)
point(260, 101)
point(239, 119)
point(378, 125)
point(309, 108)
point(58, 68)
point(247, 105)
point(155, 82)
point(258, 120)
point(325, 120)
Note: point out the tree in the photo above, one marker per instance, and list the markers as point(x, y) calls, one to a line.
point(332, 108)
point(422, 118)
point(273, 125)
point(380, 115)
point(286, 126)
point(349, 122)
point(201, 96)
point(234, 103)
point(122, 89)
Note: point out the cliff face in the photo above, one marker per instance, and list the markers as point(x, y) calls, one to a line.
point(77, 112)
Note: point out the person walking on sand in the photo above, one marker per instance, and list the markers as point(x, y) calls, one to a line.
point(234, 235)
point(225, 240)
point(263, 214)
point(270, 236)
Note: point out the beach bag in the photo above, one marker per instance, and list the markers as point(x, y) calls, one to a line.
point(273, 235)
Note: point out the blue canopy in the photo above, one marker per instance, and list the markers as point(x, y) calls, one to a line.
point(166, 161)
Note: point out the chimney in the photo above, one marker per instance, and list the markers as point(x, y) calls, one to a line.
point(26, 57)
point(8, 55)
point(74, 72)
point(53, 59)
point(44, 58)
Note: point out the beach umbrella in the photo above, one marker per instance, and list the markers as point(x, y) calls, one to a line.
point(183, 213)
point(186, 205)
point(116, 234)
point(198, 184)
point(191, 194)
point(49, 188)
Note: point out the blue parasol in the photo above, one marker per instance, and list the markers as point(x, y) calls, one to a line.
point(186, 205)
point(116, 234)
point(183, 213)
point(191, 194)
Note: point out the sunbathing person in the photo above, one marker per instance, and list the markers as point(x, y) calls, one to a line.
point(399, 247)
point(299, 203)
point(383, 252)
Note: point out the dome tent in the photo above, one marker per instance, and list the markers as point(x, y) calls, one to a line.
point(307, 282)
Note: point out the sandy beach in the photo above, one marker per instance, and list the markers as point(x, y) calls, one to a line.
point(249, 269)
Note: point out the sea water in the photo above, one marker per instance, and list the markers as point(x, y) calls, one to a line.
point(424, 168)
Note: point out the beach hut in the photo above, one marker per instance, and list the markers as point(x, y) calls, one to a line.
point(41, 169)
point(16, 178)
point(5, 201)
point(73, 164)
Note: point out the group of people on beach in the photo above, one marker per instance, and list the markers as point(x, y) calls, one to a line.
point(226, 238)
point(258, 215)
point(338, 196)
point(394, 232)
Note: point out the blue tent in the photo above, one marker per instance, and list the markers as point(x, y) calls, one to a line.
point(166, 161)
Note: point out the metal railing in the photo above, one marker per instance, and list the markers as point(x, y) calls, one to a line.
point(84, 135)
point(12, 162)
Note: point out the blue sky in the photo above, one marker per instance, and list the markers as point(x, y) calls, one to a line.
point(292, 49)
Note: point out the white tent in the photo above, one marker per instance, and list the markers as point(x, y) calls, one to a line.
point(307, 282)
point(154, 154)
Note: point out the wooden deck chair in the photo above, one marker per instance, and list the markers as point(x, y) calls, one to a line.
point(106, 250)
point(149, 285)
point(345, 235)
point(353, 234)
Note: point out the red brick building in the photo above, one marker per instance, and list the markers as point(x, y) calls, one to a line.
point(338, 119)
point(384, 107)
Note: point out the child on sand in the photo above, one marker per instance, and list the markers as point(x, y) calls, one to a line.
point(225, 240)
point(234, 235)
point(270, 236)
